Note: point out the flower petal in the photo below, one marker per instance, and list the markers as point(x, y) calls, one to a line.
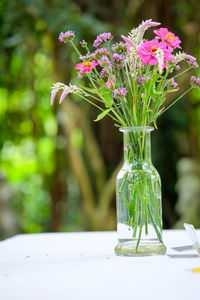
point(53, 95)
point(79, 66)
point(86, 69)
point(63, 95)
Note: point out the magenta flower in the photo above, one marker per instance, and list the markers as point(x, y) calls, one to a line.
point(148, 51)
point(168, 37)
point(67, 36)
point(86, 66)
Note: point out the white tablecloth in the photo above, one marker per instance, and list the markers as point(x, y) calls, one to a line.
point(62, 266)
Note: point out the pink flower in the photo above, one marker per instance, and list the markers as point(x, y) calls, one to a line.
point(146, 24)
point(110, 83)
point(168, 37)
point(53, 95)
point(129, 43)
point(63, 95)
point(67, 36)
point(148, 51)
point(86, 66)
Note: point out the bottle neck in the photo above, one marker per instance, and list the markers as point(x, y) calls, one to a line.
point(137, 146)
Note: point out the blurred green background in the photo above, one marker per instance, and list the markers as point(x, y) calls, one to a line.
point(57, 166)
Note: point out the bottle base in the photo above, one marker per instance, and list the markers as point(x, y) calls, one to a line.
point(144, 249)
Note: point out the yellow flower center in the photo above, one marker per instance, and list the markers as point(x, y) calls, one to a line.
point(196, 270)
point(170, 37)
point(86, 64)
point(154, 49)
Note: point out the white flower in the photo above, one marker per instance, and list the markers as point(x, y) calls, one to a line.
point(132, 60)
point(136, 34)
point(160, 59)
point(179, 57)
point(67, 89)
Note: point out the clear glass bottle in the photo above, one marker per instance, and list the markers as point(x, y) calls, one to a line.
point(138, 194)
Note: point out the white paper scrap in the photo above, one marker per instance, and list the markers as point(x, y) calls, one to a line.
point(193, 236)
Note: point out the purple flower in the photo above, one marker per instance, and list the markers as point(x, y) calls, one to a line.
point(171, 83)
point(118, 59)
point(88, 56)
point(102, 38)
point(142, 79)
point(120, 48)
point(67, 36)
point(103, 73)
point(104, 62)
point(176, 67)
point(195, 81)
point(83, 43)
point(99, 53)
point(191, 60)
point(120, 92)
point(80, 75)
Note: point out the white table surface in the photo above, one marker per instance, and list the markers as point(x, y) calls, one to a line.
point(62, 266)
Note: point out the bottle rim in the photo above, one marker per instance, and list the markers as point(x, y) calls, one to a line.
point(137, 128)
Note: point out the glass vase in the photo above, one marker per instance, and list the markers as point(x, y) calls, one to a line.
point(138, 195)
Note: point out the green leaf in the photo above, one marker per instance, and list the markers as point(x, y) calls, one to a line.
point(150, 87)
point(172, 91)
point(106, 96)
point(132, 205)
point(155, 125)
point(102, 115)
point(125, 200)
point(88, 89)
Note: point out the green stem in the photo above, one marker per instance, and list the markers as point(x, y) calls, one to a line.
point(154, 224)
point(80, 95)
point(136, 220)
point(177, 100)
point(75, 48)
point(179, 74)
point(141, 220)
point(145, 211)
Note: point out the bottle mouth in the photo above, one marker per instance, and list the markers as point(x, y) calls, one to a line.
point(137, 128)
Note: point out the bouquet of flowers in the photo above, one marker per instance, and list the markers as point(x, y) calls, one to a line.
point(129, 81)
